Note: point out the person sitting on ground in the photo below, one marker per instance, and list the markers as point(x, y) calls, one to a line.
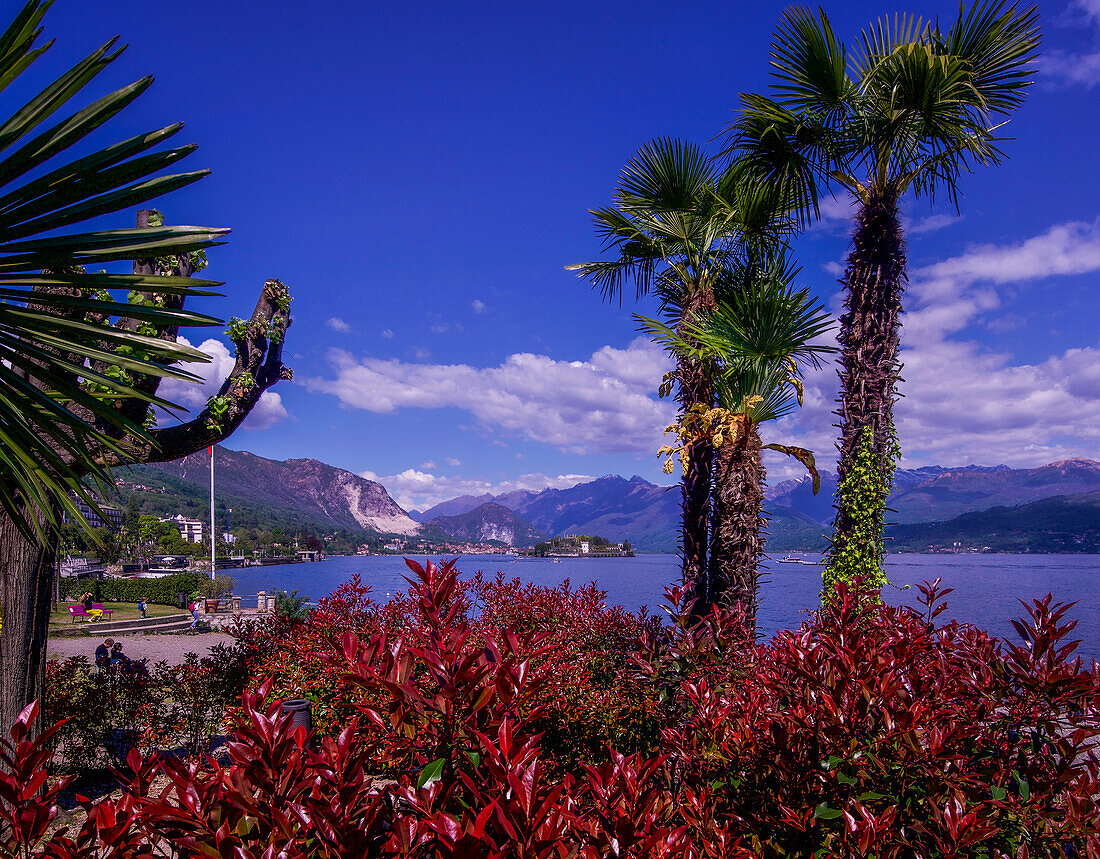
point(103, 653)
point(117, 656)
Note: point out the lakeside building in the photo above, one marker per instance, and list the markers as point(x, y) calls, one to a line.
point(191, 530)
point(113, 520)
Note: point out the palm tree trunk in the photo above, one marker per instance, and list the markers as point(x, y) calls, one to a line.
point(695, 387)
point(869, 338)
point(739, 522)
point(26, 582)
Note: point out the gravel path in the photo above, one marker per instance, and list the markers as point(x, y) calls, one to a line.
point(154, 647)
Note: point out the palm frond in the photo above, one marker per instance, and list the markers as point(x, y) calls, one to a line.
point(999, 41)
point(810, 65)
point(70, 346)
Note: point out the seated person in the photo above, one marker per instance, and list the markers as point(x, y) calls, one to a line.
point(87, 599)
point(117, 656)
point(103, 653)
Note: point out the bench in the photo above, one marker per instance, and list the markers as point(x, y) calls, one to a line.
point(78, 611)
point(106, 612)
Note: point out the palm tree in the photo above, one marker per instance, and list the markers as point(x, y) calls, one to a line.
point(753, 347)
point(676, 224)
point(84, 348)
point(910, 110)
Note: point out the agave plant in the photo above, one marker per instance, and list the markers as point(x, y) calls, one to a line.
point(754, 347)
point(84, 343)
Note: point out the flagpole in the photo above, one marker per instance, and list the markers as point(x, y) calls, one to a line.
point(213, 566)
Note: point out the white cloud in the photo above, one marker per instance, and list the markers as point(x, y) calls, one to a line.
point(834, 215)
point(478, 305)
point(451, 461)
point(929, 224)
point(952, 293)
point(338, 325)
point(414, 489)
point(440, 328)
point(1076, 69)
point(965, 402)
point(266, 413)
point(429, 465)
point(387, 334)
point(604, 404)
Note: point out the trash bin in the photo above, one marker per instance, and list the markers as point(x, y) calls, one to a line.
point(211, 606)
point(301, 713)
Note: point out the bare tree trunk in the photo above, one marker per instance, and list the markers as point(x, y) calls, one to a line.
point(738, 522)
point(26, 582)
point(869, 339)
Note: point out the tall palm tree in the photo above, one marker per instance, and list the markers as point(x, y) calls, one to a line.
point(83, 347)
point(910, 109)
point(676, 223)
point(753, 347)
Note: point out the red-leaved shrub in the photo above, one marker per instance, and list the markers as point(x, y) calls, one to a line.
point(494, 719)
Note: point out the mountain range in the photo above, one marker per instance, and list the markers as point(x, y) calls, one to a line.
point(932, 506)
point(319, 493)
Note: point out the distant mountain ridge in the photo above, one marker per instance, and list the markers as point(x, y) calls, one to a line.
point(934, 493)
point(636, 510)
point(486, 522)
point(319, 491)
point(613, 507)
point(1063, 524)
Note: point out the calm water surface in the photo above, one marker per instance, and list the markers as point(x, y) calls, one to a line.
point(987, 587)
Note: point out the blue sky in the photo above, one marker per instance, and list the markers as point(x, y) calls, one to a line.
point(420, 175)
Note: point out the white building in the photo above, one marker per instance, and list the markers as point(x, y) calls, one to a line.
point(190, 529)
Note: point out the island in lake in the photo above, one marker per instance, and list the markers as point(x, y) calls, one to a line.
point(581, 546)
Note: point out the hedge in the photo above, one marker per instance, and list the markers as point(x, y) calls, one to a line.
point(163, 591)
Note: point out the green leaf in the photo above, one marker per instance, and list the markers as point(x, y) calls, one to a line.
point(823, 812)
point(432, 773)
point(1022, 785)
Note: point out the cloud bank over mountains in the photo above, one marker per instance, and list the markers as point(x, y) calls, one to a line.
point(604, 404)
point(965, 401)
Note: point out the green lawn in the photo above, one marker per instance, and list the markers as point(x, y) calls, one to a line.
point(122, 611)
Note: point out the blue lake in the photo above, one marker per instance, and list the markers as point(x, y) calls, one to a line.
point(987, 587)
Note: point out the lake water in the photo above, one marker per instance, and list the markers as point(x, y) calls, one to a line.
point(987, 587)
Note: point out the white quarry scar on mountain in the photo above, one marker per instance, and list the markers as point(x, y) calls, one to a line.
point(392, 524)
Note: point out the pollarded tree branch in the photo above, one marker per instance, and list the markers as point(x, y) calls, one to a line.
point(258, 367)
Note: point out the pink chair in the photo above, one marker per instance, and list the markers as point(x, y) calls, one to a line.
point(78, 612)
point(107, 612)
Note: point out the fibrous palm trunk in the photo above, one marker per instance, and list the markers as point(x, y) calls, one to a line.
point(869, 339)
point(27, 570)
point(739, 522)
point(694, 387)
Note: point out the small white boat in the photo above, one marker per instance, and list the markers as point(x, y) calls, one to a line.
point(790, 559)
